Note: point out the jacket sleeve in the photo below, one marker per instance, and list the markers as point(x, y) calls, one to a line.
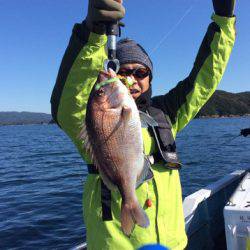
point(182, 103)
point(82, 61)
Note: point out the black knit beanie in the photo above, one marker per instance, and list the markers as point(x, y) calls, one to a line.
point(128, 51)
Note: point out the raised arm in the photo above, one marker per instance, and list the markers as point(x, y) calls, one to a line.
point(183, 102)
point(81, 63)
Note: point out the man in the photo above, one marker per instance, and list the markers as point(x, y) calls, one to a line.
point(161, 195)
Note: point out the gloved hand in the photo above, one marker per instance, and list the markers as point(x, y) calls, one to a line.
point(100, 11)
point(224, 7)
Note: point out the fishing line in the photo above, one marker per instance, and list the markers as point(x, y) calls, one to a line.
point(244, 132)
point(223, 144)
point(172, 29)
point(231, 139)
point(169, 32)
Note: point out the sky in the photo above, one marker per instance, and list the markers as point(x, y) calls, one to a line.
point(35, 34)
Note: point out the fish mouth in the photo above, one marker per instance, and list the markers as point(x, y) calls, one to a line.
point(134, 91)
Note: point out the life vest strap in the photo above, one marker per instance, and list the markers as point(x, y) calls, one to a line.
point(92, 169)
point(105, 195)
point(106, 203)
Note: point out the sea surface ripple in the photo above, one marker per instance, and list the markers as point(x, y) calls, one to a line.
point(42, 176)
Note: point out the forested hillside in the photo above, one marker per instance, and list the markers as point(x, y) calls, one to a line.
point(8, 118)
point(223, 103)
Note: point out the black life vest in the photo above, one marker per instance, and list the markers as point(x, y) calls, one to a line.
point(164, 139)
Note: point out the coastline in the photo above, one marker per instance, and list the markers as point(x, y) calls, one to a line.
point(221, 116)
point(199, 117)
point(23, 124)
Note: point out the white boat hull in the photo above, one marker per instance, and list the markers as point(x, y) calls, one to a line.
point(203, 211)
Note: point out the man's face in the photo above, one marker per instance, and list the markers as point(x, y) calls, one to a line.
point(139, 75)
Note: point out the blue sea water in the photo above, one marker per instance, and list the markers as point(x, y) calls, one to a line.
point(42, 175)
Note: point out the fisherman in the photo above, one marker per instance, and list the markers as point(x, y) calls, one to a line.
point(160, 196)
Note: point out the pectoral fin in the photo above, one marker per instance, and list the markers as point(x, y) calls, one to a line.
point(146, 173)
point(126, 113)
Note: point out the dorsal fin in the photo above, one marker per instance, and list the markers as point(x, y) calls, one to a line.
point(83, 135)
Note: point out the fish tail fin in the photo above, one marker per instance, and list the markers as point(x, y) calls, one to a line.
point(139, 215)
point(131, 214)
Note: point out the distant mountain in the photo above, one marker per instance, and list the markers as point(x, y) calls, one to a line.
point(17, 118)
point(224, 103)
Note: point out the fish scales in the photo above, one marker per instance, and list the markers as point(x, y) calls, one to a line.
point(114, 133)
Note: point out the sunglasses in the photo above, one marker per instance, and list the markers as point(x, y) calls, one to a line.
point(139, 73)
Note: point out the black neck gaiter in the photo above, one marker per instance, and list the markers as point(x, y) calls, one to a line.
point(144, 100)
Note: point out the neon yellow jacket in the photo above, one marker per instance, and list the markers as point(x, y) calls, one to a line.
point(78, 72)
